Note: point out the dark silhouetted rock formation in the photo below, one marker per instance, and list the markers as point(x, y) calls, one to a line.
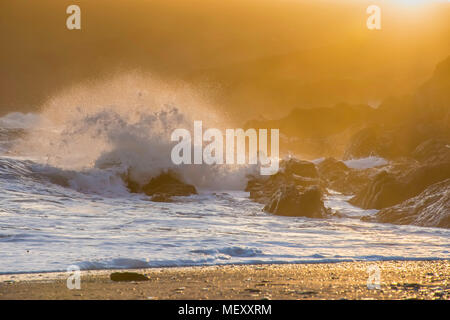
point(431, 208)
point(408, 126)
point(293, 191)
point(411, 131)
point(299, 168)
point(335, 175)
point(392, 130)
point(433, 150)
point(293, 201)
point(127, 276)
point(163, 187)
point(388, 189)
point(367, 142)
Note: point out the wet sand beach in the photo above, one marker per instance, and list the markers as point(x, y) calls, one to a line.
point(346, 280)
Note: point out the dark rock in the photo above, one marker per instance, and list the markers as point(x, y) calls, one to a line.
point(433, 95)
point(292, 201)
point(315, 132)
point(299, 167)
point(292, 172)
point(331, 167)
point(395, 140)
point(128, 276)
point(168, 184)
point(393, 129)
point(367, 142)
point(431, 208)
point(293, 191)
point(433, 150)
point(261, 188)
point(391, 188)
point(163, 187)
point(133, 186)
point(388, 141)
point(384, 191)
point(335, 175)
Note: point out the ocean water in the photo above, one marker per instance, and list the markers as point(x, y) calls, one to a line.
point(54, 214)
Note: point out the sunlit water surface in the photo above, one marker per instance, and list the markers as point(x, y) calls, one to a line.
point(48, 227)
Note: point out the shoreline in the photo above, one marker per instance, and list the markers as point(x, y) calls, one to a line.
point(57, 273)
point(411, 279)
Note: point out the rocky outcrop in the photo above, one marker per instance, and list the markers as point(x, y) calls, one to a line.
point(385, 190)
point(434, 94)
point(293, 201)
point(299, 168)
point(367, 142)
point(390, 140)
point(163, 187)
point(331, 168)
point(433, 151)
point(390, 188)
point(335, 175)
point(412, 124)
point(431, 208)
point(292, 172)
point(293, 191)
point(317, 132)
point(411, 131)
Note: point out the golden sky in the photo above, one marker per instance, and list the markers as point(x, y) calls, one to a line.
point(275, 53)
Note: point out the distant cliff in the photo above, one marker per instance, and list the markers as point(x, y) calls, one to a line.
point(394, 129)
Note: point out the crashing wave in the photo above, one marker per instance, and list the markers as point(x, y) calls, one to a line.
point(92, 136)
